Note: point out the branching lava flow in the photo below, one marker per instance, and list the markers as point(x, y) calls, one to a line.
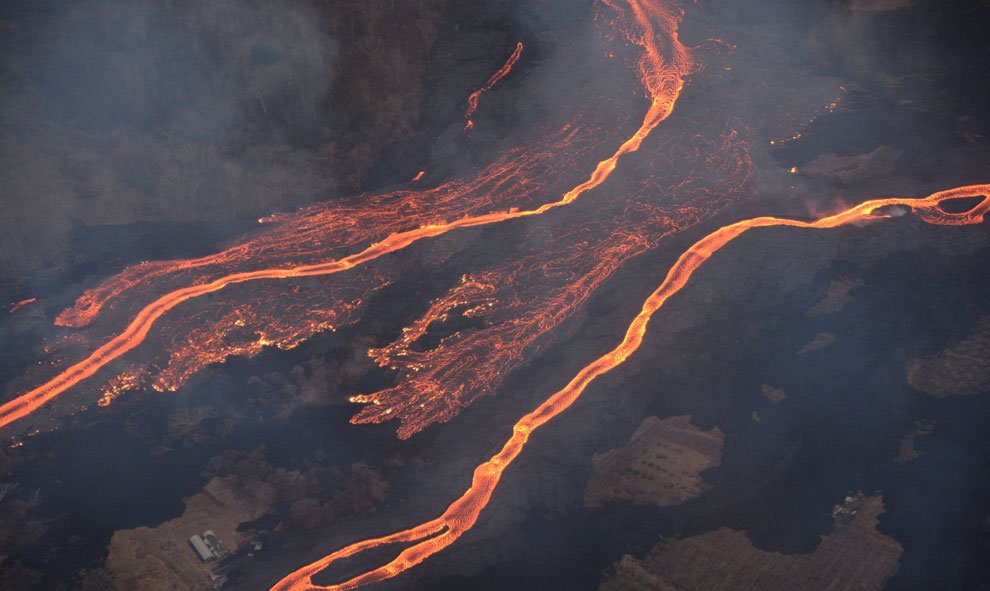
point(435, 535)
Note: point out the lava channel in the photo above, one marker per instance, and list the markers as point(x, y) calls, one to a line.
point(433, 536)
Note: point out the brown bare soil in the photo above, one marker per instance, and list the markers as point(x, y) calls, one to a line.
point(853, 556)
point(837, 295)
point(161, 558)
point(907, 451)
point(960, 369)
point(774, 395)
point(661, 465)
point(821, 340)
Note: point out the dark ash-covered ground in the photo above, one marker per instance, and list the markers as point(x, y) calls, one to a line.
point(135, 131)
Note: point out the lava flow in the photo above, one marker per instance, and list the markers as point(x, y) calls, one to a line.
point(472, 102)
point(662, 66)
point(495, 319)
point(18, 305)
point(429, 538)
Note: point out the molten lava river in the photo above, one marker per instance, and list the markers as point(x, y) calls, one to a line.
point(316, 269)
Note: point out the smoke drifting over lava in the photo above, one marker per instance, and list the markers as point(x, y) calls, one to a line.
point(626, 134)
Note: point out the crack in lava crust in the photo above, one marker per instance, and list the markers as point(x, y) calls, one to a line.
point(433, 536)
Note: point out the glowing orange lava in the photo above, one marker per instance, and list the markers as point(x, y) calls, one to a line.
point(516, 301)
point(429, 538)
point(18, 305)
point(327, 230)
point(662, 66)
point(497, 318)
point(472, 102)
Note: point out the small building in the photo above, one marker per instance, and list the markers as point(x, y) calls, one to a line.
point(201, 548)
point(208, 546)
point(214, 544)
